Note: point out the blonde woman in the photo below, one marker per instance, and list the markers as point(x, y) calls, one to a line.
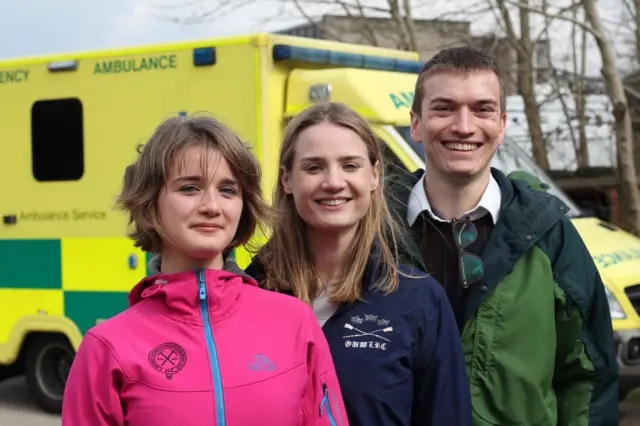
point(391, 331)
point(200, 344)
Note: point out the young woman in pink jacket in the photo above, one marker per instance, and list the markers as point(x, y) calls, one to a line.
point(200, 343)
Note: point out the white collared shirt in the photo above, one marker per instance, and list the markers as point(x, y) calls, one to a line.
point(489, 203)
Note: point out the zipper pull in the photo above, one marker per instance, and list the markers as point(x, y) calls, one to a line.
point(203, 288)
point(325, 390)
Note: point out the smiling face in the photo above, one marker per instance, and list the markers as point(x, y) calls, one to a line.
point(199, 212)
point(331, 177)
point(461, 124)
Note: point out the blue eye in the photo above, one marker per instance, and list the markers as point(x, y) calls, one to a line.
point(351, 166)
point(188, 188)
point(228, 190)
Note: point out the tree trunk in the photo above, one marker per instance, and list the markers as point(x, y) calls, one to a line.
point(637, 11)
point(526, 87)
point(630, 196)
point(581, 98)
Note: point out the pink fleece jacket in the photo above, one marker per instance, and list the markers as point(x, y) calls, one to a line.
point(204, 348)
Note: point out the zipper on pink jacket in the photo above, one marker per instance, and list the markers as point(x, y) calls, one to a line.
point(326, 404)
point(213, 353)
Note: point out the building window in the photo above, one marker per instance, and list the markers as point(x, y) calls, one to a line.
point(542, 65)
point(57, 140)
point(541, 54)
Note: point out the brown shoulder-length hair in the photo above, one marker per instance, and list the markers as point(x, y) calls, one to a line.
point(286, 257)
point(147, 176)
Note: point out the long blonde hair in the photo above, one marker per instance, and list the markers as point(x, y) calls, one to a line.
point(286, 257)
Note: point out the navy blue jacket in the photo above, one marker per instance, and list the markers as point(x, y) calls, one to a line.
point(398, 357)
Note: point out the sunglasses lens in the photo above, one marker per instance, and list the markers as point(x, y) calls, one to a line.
point(471, 268)
point(465, 233)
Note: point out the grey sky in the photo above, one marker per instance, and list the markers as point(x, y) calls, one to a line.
point(71, 25)
point(34, 27)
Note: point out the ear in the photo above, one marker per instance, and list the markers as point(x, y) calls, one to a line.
point(503, 125)
point(286, 180)
point(415, 126)
point(376, 176)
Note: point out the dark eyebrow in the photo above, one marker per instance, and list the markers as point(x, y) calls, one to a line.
point(344, 158)
point(229, 181)
point(444, 100)
point(490, 102)
point(193, 178)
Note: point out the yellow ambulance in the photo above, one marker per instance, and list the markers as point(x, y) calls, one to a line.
point(70, 123)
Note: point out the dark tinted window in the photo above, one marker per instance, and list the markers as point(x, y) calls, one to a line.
point(57, 140)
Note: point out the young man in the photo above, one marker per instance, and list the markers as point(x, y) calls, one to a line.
point(530, 304)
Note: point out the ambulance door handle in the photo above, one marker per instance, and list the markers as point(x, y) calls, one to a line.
point(10, 219)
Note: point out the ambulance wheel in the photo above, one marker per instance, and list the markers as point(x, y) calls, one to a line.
point(47, 362)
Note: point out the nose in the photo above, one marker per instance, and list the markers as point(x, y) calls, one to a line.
point(463, 123)
point(333, 179)
point(209, 203)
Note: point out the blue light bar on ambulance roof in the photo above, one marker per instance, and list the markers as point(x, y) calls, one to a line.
point(59, 66)
point(204, 56)
point(283, 52)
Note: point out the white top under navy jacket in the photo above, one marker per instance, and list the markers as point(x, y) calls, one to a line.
point(398, 356)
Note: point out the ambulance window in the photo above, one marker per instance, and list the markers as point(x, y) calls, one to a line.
point(57, 141)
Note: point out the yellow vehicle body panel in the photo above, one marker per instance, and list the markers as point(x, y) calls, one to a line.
point(366, 91)
point(617, 256)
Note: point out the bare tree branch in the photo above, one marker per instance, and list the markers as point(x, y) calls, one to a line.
point(344, 5)
point(481, 7)
point(224, 7)
point(549, 19)
point(627, 5)
point(370, 34)
point(508, 24)
point(636, 14)
point(560, 95)
point(526, 84)
point(181, 5)
point(587, 27)
point(304, 14)
point(581, 100)
point(632, 91)
point(408, 22)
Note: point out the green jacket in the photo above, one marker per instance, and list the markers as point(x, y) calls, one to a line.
point(538, 339)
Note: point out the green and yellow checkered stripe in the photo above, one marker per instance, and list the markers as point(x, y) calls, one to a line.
point(83, 279)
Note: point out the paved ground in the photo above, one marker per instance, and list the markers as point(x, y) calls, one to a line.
point(17, 409)
point(630, 414)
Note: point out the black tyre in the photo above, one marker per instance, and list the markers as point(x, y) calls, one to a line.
point(48, 359)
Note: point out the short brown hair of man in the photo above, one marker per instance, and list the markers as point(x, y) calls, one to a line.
point(461, 60)
point(147, 176)
point(286, 257)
